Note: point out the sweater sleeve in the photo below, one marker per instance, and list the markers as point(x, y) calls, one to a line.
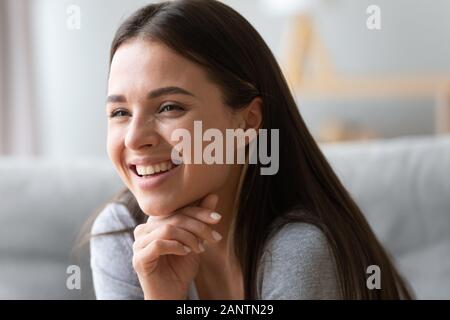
point(297, 264)
point(113, 274)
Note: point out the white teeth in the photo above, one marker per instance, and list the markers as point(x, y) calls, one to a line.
point(140, 170)
point(151, 169)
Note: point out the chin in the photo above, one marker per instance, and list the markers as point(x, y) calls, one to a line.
point(157, 207)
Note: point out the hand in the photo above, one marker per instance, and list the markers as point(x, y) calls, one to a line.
point(166, 249)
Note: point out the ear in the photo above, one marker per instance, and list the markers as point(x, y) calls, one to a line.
point(251, 116)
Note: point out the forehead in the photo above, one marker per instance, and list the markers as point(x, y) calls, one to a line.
point(148, 64)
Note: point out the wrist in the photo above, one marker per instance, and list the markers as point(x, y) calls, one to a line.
point(153, 293)
point(165, 296)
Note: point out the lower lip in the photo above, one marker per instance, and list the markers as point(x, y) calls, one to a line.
point(151, 182)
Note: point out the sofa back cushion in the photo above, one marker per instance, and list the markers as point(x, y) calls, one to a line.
point(401, 185)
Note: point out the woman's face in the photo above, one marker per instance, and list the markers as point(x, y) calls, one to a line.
point(142, 116)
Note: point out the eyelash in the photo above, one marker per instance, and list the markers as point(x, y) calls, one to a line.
point(114, 113)
point(171, 105)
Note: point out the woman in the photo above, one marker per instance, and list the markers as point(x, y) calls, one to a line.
point(220, 231)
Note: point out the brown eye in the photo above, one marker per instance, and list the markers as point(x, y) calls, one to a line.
point(118, 113)
point(170, 107)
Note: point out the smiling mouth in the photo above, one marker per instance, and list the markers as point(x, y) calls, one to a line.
point(153, 170)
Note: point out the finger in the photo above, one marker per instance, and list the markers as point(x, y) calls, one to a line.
point(170, 232)
point(155, 249)
point(199, 228)
point(160, 247)
point(210, 201)
point(202, 214)
point(205, 211)
point(139, 229)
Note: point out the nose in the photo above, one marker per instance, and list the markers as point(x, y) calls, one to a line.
point(141, 133)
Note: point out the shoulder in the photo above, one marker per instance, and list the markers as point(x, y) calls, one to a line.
point(114, 216)
point(111, 255)
point(294, 239)
point(297, 263)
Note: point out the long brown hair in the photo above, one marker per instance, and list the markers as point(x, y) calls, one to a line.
point(305, 189)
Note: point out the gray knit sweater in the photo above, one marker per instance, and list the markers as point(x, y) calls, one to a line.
point(300, 264)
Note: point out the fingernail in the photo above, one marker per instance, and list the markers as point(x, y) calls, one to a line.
point(215, 216)
point(216, 235)
point(202, 248)
point(187, 249)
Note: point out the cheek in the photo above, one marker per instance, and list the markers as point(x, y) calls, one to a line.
point(202, 179)
point(114, 148)
point(113, 145)
point(110, 148)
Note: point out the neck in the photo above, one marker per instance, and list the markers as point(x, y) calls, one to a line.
point(219, 267)
point(221, 252)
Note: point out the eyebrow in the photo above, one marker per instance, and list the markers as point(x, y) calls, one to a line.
point(152, 94)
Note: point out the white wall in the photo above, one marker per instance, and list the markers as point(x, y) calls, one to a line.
point(70, 75)
point(71, 66)
point(71, 69)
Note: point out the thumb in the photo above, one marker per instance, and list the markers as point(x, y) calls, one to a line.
point(210, 201)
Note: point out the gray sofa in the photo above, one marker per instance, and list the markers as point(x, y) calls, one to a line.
point(402, 185)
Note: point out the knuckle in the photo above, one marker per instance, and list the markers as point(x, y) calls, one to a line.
point(177, 219)
point(167, 230)
point(137, 231)
point(137, 262)
point(139, 266)
point(158, 244)
point(137, 245)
